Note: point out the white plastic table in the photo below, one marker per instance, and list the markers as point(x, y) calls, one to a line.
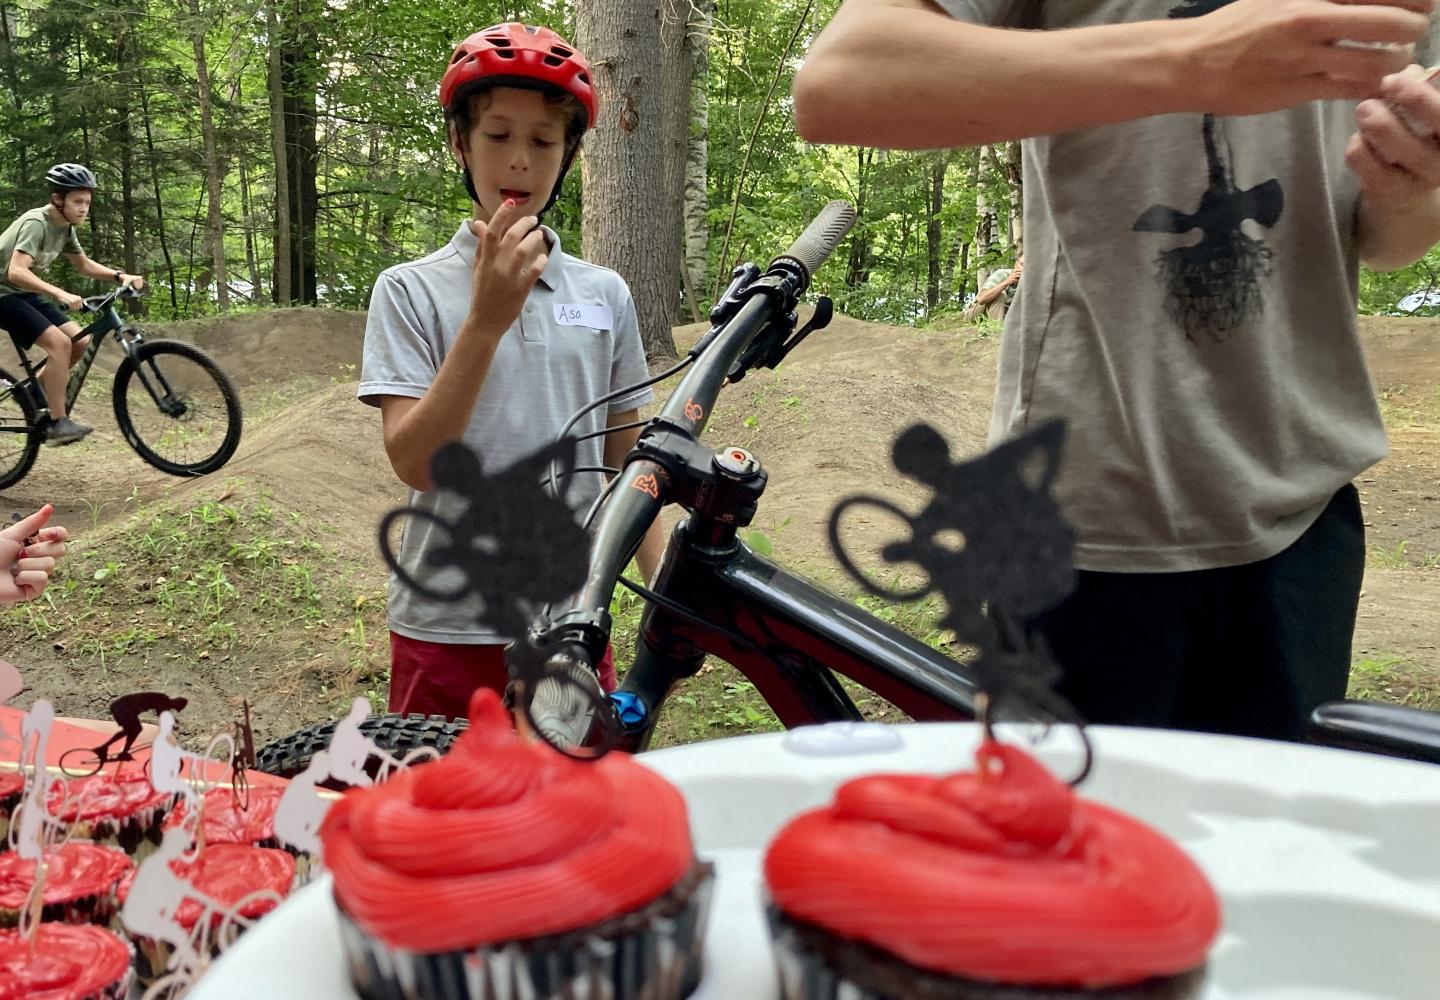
point(1327, 862)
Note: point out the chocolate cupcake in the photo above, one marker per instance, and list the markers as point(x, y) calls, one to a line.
point(997, 884)
point(111, 808)
point(64, 962)
point(81, 880)
point(225, 876)
point(12, 787)
point(507, 869)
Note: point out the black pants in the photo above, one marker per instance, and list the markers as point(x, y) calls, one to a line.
point(1249, 650)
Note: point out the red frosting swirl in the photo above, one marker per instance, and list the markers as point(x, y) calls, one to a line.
point(226, 874)
point(1002, 874)
point(104, 796)
point(73, 871)
point(227, 823)
point(64, 962)
point(504, 840)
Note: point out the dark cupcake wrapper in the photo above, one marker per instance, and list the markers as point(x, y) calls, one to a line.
point(99, 910)
point(137, 834)
point(652, 954)
point(814, 964)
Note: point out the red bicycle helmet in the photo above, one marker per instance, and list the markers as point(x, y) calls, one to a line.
point(520, 52)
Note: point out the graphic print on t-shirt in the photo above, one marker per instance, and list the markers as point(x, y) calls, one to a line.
point(1213, 287)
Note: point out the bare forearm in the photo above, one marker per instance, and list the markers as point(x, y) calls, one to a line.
point(999, 84)
point(443, 413)
point(902, 73)
point(94, 269)
point(23, 277)
point(1393, 236)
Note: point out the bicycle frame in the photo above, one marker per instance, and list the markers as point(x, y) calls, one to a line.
point(108, 321)
point(799, 637)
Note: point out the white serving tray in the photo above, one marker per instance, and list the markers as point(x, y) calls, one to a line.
point(1327, 862)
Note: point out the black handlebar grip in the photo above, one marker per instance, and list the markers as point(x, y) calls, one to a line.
point(820, 238)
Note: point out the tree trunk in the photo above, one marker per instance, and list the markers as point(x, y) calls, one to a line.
point(857, 271)
point(697, 223)
point(215, 220)
point(621, 228)
point(1015, 177)
point(9, 25)
point(153, 157)
point(677, 72)
point(299, 73)
point(933, 234)
point(984, 217)
point(125, 138)
point(280, 287)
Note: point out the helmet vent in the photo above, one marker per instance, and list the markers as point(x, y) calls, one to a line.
point(459, 54)
point(553, 61)
point(561, 51)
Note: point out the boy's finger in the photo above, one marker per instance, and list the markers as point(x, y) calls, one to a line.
point(521, 230)
point(27, 526)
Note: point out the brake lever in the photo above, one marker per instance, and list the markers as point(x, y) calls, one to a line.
point(819, 320)
point(769, 349)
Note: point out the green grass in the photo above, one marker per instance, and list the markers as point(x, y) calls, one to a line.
point(1393, 678)
point(202, 582)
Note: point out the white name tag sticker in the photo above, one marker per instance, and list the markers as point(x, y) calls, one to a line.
point(584, 314)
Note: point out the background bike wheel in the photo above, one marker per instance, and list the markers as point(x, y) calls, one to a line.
point(19, 437)
point(395, 734)
point(177, 409)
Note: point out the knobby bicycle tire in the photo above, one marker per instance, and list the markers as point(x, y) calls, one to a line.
point(396, 735)
point(13, 394)
point(143, 366)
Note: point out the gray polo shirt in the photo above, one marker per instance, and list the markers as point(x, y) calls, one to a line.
point(575, 340)
point(1189, 307)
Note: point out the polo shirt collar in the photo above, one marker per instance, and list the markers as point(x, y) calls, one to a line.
point(465, 243)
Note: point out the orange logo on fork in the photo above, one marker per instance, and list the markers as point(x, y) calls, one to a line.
point(694, 412)
point(648, 485)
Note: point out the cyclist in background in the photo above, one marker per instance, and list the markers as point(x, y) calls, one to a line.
point(30, 245)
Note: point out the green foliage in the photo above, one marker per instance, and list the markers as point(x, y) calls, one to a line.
point(116, 87)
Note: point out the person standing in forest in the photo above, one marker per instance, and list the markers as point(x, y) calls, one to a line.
point(30, 245)
point(1200, 188)
point(496, 340)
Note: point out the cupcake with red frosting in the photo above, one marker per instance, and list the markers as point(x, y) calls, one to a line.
point(223, 878)
point(111, 807)
point(508, 869)
point(997, 883)
point(230, 819)
point(81, 880)
point(64, 962)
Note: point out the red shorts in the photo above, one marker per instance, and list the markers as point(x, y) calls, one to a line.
point(437, 678)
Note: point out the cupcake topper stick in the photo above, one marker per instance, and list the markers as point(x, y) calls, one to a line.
point(153, 903)
point(514, 549)
point(32, 820)
point(302, 809)
point(992, 543)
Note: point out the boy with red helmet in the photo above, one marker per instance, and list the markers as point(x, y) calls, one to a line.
point(497, 338)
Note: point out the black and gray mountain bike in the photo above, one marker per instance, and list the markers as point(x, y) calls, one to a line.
point(173, 403)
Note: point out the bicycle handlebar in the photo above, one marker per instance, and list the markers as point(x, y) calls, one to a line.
point(820, 239)
point(97, 303)
point(644, 485)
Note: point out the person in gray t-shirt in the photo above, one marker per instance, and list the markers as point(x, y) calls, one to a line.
point(497, 339)
point(1200, 188)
